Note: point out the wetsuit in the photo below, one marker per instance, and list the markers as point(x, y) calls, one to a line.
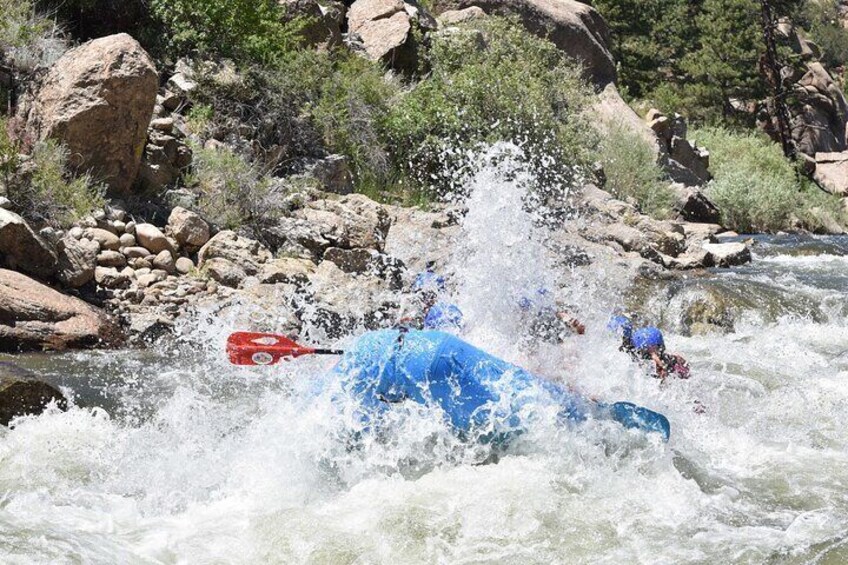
point(671, 363)
point(477, 391)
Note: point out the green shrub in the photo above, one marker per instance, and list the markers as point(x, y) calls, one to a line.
point(19, 24)
point(27, 38)
point(631, 171)
point(43, 190)
point(516, 88)
point(199, 117)
point(9, 161)
point(232, 193)
point(245, 30)
point(757, 189)
point(266, 104)
point(49, 195)
point(353, 104)
point(304, 104)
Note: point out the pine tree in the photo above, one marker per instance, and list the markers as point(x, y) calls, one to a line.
point(649, 38)
point(725, 65)
point(691, 56)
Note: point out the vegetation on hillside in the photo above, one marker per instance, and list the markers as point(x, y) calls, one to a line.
point(43, 189)
point(493, 82)
point(276, 103)
point(632, 173)
point(822, 19)
point(410, 138)
point(233, 193)
point(757, 189)
point(254, 30)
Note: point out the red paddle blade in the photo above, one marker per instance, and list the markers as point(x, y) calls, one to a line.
point(251, 348)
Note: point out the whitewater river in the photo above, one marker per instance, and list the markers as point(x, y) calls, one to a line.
point(173, 456)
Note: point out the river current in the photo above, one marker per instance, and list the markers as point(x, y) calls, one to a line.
point(174, 456)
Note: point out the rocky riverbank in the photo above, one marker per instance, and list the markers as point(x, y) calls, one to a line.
point(147, 276)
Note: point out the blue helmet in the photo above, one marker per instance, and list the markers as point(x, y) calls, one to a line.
point(621, 325)
point(443, 316)
point(644, 338)
point(429, 281)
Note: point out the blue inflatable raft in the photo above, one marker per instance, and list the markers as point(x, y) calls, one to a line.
point(476, 391)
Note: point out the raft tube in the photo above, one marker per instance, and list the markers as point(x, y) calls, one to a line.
point(468, 384)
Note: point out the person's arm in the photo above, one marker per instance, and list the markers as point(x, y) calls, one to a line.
point(679, 365)
point(659, 365)
point(572, 322)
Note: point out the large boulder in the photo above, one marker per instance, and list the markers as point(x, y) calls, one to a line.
point(683, 161)
point(35, 317)
point(612, 112)
point(384, 31)
point(22, 393)
point(687, 163)
point(574, 27)
point(648, 238)
point(417, 237)
point(817, 106)
point(77, 261)
point(832, 172)
point(344, 301)
point(728, 254)
point(357, 221)
point(151, 238)
point(230, 258)
point(819, 112)
point(188, 228)
point(350, 222)
point(97, 99)
point(21, 249)
point(693, 206)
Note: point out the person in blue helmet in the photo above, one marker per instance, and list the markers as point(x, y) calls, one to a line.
point(481, 396)
point(648, 345)
point(547, 321)
point(435, 313)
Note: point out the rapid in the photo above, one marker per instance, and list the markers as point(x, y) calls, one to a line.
point(172, 455)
